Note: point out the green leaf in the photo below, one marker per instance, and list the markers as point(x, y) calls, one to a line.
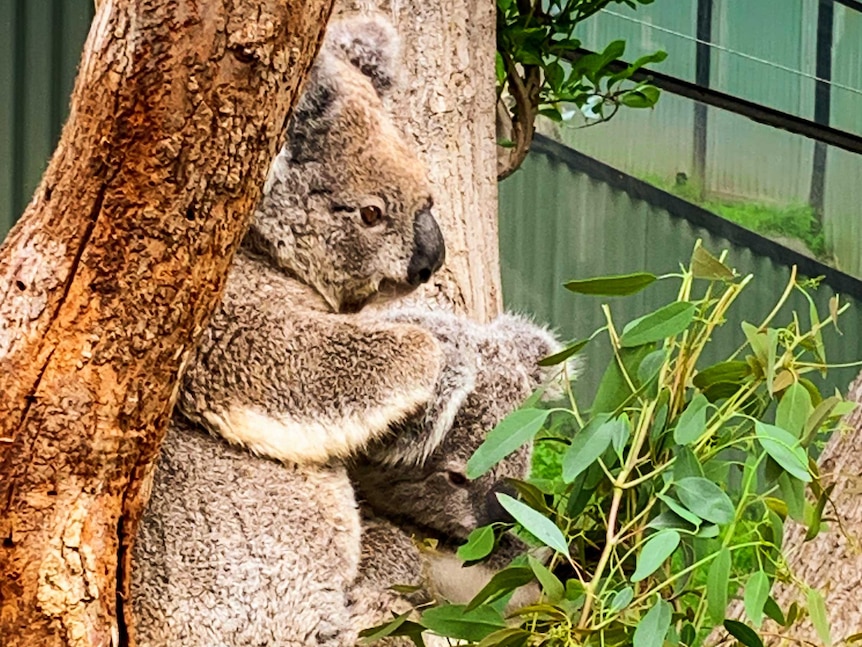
point(821, 413)
point(734, 372)
point(706, 266)
point(551, 585)
point(373, 634)
point(479, 544)
point(793, 494)
point(692, 421)
point(654, 552)
point(652, 628)
point(710, 501)
point(453, 621)
point(614, 389)
point(587, 445)
point(680, 510)
point(563, 355)
point(620, 433)
point(622, 599)
point(554, 75)
point(793, 409)
point(686, 464)
point(645, 96)
point(512, 432)
point(743, 633)
point(756, 593)
point(817, 514)
point(716, 586)
point(509, 637)
point(612, 286)
point(503, 582)
point(533, 522)
point(784, 449)
point(817, 611)
point(765, 346)
point(773, 611)
point(665, 322)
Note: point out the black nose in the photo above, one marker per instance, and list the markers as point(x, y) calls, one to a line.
point(429, 251)
point(494, 512)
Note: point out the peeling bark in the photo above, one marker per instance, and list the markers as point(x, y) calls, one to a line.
point(446, 104)
point(112, 273)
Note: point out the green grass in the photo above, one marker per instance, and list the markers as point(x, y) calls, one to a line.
point(792, 221)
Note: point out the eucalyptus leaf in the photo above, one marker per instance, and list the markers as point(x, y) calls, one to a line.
point(587, 445)
point(784, 449)
point(479, 544)
point(819, 618)
point(717, 579)
point(756, 593)
point(665, 322)
point(654, 552)
point(515, 430)
point(793, 409)
point(454, 621)
point(612, 286)
point(558, 358)
point(622, 599)
point(743, 633)
point(503, 582)
point(652, 628)
point(535, 523)
point(692, 421)
point(706, 266)
point(551, 584)
point(710, 501)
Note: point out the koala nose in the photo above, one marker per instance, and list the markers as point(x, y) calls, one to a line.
point(429, 251)
point(494, 512)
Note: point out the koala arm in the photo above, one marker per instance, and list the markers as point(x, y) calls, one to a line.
point(305, 387)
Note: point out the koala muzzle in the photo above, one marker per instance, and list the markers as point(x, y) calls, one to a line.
point(494, 512)
point(429, 250)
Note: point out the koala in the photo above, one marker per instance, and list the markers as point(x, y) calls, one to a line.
point(408, 493)
point(252, 534)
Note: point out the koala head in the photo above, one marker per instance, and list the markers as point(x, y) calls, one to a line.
point(347, 203)
point(434, 492)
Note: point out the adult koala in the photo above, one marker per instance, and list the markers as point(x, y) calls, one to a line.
point(251, 535)
point(415, 486)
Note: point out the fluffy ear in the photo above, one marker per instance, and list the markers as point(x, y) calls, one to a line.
point(370, 43)
point(523, 343)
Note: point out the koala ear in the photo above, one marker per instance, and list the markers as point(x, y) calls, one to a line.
point(369, 43)
point(526, 343)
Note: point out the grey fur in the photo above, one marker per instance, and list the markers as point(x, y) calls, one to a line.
point(415, 496)
point(236, 549)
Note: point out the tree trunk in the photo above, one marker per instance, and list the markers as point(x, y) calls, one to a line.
point(446, 104)
point(112, 273)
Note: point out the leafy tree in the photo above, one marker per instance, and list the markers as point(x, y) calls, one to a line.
point(541, 70)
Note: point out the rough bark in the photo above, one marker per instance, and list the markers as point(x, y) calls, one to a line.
point(447, 105)
point(111, 274)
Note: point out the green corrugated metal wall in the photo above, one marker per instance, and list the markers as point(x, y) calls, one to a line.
point(40, 44)
point(558, 223)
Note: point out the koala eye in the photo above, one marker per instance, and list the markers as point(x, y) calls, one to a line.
point(371, 214)
point(457, 479)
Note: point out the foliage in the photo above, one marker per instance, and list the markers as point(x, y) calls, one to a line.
point(542, 70)
point(668, 499)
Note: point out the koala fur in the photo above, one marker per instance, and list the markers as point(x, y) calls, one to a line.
point(407, 495)
point(251, 535)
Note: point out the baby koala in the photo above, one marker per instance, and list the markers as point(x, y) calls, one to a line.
point(418, 488)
